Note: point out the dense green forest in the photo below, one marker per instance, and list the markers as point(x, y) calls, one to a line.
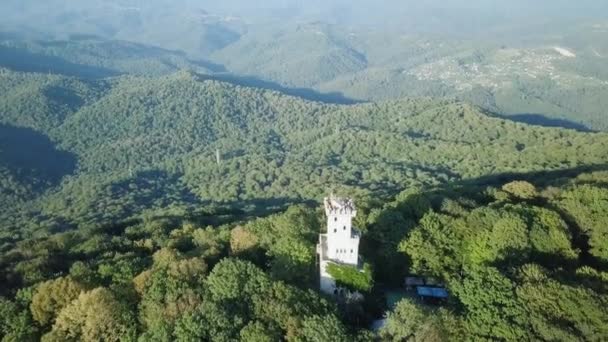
point(524, 258)
point(154, 194)
point(522, 262)
point(124, 147)
point(90, 57)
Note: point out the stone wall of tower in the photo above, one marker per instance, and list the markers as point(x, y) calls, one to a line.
point(342, 244)
point(326, 282)
point(342, 239)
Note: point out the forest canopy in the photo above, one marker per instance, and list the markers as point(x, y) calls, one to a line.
point(167, 187)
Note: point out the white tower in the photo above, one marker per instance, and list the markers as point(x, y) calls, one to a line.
point(341, 243)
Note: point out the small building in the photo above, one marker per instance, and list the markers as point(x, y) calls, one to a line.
point(340, 244)
point(427, 288)
point(432, 295)
point(432, 292)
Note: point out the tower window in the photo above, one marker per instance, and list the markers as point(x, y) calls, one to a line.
point(344, 227)
point(351, 251)
point(335, 219)
point(335, 230)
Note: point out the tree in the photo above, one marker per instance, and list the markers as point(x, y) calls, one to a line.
point(550, 235)
point(83, 274)
point(52, 296)
point(351, 277)
point(210, 245)
point(169, 290)
point(386, 229)
point(561, 312)
point(433, 246)
point(242, 241)
point(407, 322)
point(321, 329)
point(94, 316)
point(507, 240)
point(16, 323)
point(492, 308)
point(233, 279)
point(588, 206)
point(211, 321)
point(258, 332)
point(521, 189)
point(287, 306)
point(289, 240)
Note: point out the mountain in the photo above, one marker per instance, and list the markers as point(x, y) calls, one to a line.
point(551, 80)
point(186, 26)
point(303, 56)
point(143, 144)
point(90, 57)
point(554, 77)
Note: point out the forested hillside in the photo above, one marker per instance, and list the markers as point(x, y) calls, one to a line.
point(547, 80)
point(550, 80)
point(163, 162)
point(142, 144)
point(90, 57)
point(523, 258)
point(542, 69)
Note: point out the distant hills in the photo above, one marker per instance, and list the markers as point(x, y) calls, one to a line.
point(303, 56)
point(514, 70)
point(511, 78)
point(90, 57)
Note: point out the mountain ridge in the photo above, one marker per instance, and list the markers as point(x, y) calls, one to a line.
point(271, 145)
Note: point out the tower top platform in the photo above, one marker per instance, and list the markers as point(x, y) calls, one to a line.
point(339, 206)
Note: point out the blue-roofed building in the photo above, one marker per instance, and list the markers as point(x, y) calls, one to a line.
point(432, 292)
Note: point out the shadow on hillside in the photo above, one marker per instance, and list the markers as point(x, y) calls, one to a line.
point(537, 177)
point(24, 61)
point(542, 120)
point(305, 93)
point(202, 213)
point(32, 158)
point(213, 67)
point(163, 197)
point(158, 189)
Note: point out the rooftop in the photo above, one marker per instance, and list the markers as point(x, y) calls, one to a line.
point(434, 292)
point(339, 205)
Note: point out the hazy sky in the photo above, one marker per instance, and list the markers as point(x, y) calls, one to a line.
point(137, 17)
point(330, 8)
point(391, 8)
